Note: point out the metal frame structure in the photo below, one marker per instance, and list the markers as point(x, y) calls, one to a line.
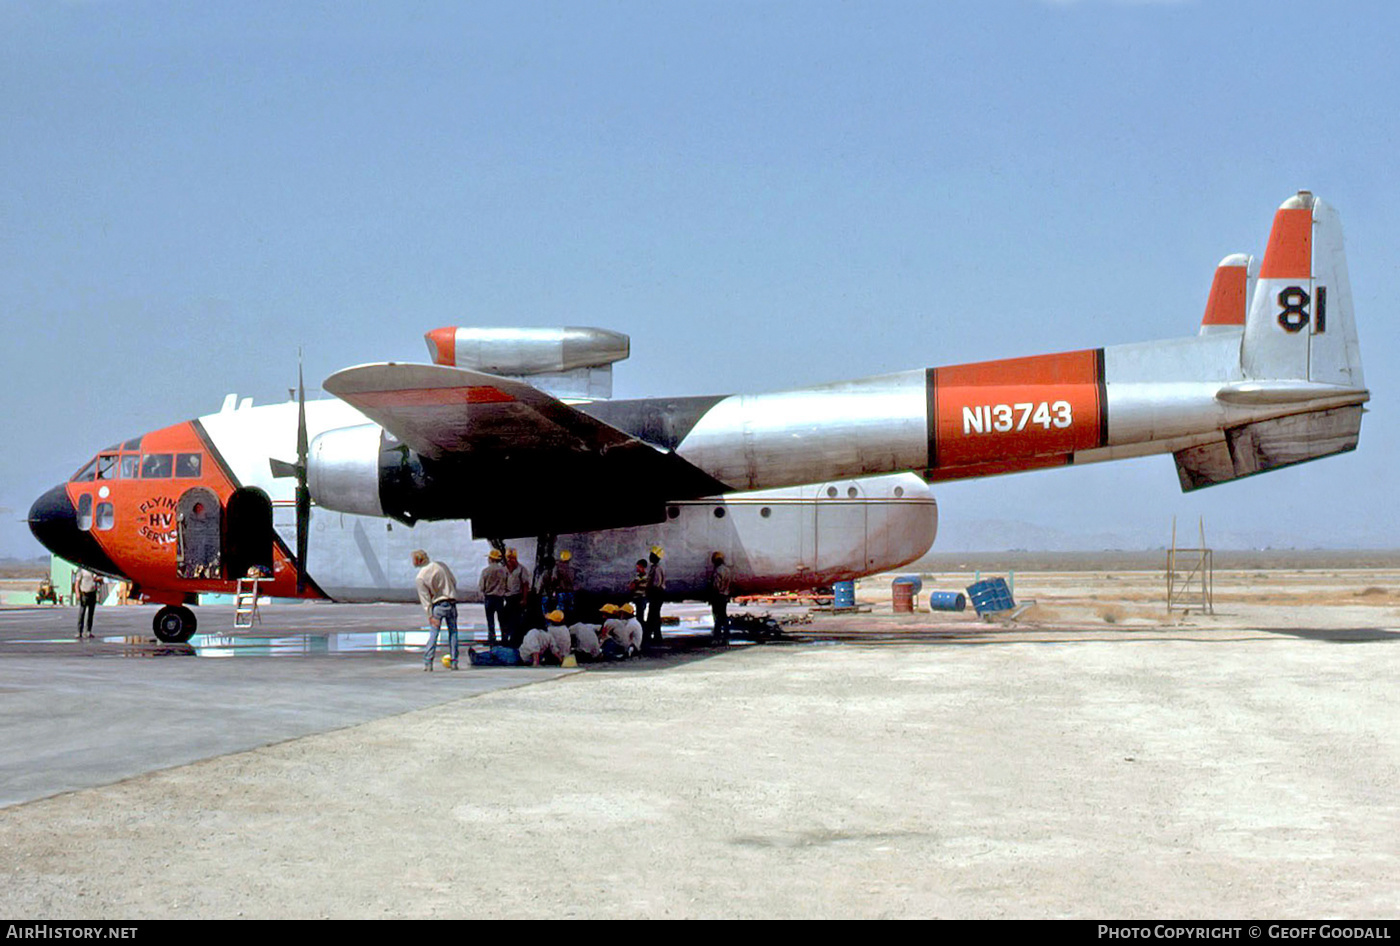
point(1190, 580)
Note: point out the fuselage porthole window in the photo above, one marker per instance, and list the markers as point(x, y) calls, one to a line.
point(106, 516)
point(765, 512)
point(85, 512)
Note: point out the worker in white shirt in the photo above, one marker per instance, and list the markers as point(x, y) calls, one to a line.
point(632, 627)
point(85, 587)
point(622, 629)
point(587, 646)
point(552, 641)
point(437, 592)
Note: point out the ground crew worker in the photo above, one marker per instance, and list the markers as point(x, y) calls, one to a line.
point(587, 646)
point(437, 592)
point(637, 589)
point(542, 592)
point(720, 580)
point(517, 593)
point(564, 583)
point(493, 590)
point(552, 641)
point(656, 592)
point(631, 628)
point(85, 586)
point(618, 639)
point(561, 641)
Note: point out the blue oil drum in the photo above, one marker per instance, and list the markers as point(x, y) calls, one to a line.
point(947, 601)
point(991, 595)
point(843, 594)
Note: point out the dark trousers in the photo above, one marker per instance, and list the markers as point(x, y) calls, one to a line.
point(495, 612)
point(512, 622)
point(651, 628)
point(87, 606)
point(719, 606)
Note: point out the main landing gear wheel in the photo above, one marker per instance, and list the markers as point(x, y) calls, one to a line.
point(174, 624)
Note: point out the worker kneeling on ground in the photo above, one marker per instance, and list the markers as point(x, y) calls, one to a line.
point(622, 634)
point(552, 642)
point(587, 646)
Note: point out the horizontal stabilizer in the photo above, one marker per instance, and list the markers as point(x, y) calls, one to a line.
point(1269, 445)
point(1229, 294)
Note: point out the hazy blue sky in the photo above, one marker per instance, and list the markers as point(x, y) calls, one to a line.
point(763, 195)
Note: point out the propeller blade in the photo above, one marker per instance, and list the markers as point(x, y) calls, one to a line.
point(303, 491)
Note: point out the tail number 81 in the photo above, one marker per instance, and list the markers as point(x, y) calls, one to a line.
point(1293, 313)
point(1003, 418)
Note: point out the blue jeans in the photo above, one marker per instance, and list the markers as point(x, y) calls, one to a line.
point(443, 612)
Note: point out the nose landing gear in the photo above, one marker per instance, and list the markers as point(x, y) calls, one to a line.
point(174, 624)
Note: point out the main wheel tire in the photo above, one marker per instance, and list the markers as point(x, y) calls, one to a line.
point(174, 624)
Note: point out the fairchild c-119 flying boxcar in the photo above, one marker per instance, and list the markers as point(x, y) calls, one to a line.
point(512, 434)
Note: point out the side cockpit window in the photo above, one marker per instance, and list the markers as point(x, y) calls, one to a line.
point(131, 463)
point(107, 468)
point(188, 464)
point(157, 466)
point(86, 474)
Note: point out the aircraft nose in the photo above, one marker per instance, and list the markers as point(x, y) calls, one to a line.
point(54, 522)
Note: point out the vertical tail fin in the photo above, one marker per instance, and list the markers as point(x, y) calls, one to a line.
point(1229, 294)
point(1300, 324)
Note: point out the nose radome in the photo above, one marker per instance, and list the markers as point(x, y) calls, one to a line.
point(54, 522)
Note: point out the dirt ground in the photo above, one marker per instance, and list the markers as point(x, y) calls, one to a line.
point(1099, 758)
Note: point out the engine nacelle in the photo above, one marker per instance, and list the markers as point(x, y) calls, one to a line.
point(521, 352)
point(342, 469)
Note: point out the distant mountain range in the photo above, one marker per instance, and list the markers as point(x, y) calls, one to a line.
point(1001, 535)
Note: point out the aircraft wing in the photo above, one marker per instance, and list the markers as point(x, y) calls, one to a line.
point(526, 462)
point(438, 411)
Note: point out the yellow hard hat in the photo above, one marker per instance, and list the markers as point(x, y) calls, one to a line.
point(628, 609)
point(556, 616)
point(495, 555)
point(658, 551)
point(609, 609)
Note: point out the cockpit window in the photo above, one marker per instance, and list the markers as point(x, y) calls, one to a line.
point(86, 474)
point(107, 468)
point(131, 464)
point(156, 466)
point(187, 464)
point(133, 444)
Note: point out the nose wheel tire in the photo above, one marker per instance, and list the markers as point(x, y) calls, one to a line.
point(174, 624)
